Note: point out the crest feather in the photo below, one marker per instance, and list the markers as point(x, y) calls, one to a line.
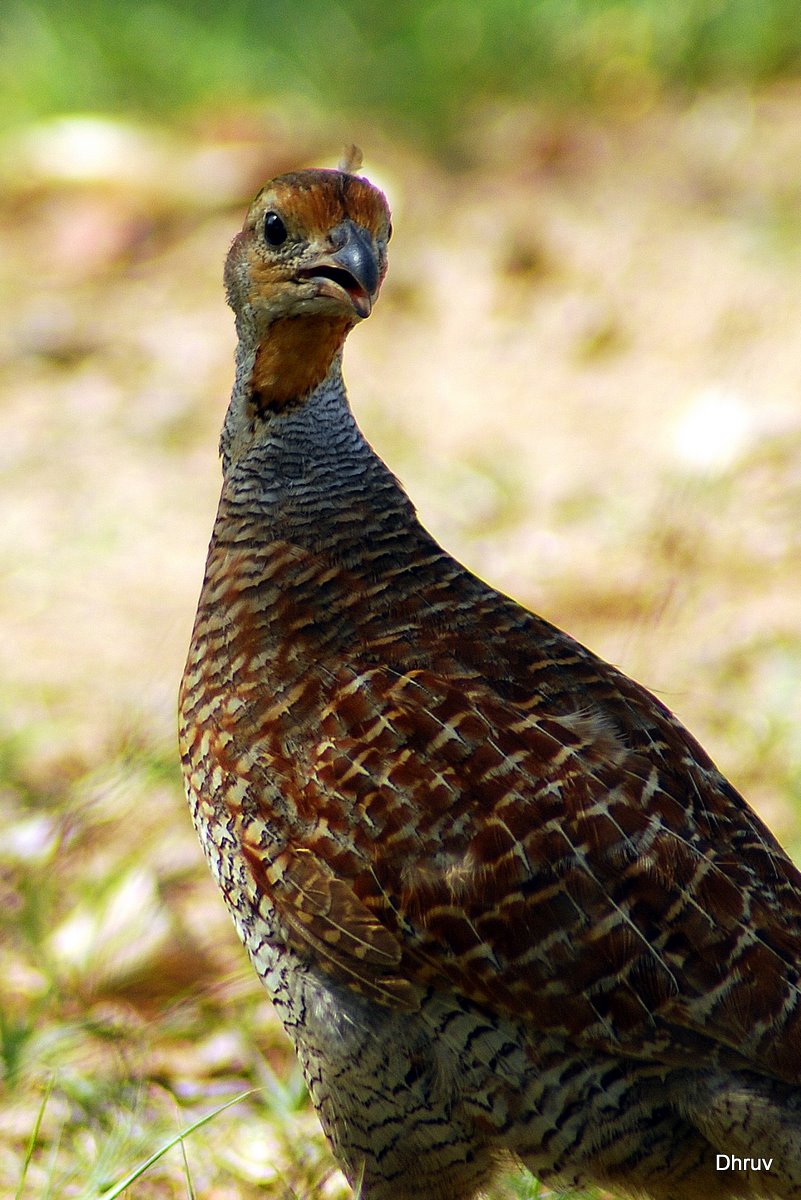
point(351, 159)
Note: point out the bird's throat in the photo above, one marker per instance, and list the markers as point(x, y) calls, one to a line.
point(293, 358)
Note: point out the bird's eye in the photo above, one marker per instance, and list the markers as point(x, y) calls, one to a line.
point(274, 229)
point(389, 231)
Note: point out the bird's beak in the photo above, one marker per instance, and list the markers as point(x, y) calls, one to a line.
point(352, 268)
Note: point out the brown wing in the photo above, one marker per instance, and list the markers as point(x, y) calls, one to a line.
point(539, 864)
point(478, 802)
point(325, 914)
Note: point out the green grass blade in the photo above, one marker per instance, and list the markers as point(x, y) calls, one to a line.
point(119, 1188)
point(190, 1191)
point(33, 1138)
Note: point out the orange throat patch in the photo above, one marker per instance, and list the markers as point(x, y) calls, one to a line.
point(295, 356)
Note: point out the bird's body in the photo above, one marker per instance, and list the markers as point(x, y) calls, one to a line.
point(505, 905)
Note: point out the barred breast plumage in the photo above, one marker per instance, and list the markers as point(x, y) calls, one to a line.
point(505, 905)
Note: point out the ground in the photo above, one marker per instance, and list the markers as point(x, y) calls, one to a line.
point(585, 370)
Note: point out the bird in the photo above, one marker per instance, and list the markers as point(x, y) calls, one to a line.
point(507, 908)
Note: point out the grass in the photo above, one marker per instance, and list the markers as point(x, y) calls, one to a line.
point(419, 67)
point(117, 1189)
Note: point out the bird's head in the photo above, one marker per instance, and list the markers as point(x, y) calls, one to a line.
point(306, 267)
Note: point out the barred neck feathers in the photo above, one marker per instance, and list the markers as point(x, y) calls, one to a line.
point(305, 268)
point(261, 403)
point(311, 479)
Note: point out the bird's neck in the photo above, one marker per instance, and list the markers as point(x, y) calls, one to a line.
point(277, 370)
point(306, 475)
point(294, 356)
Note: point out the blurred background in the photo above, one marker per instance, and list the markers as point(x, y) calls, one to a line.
point(584, 367)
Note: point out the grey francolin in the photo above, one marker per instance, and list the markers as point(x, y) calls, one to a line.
point(505, 905)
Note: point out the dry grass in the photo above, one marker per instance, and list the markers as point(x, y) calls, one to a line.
point(585, 370)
